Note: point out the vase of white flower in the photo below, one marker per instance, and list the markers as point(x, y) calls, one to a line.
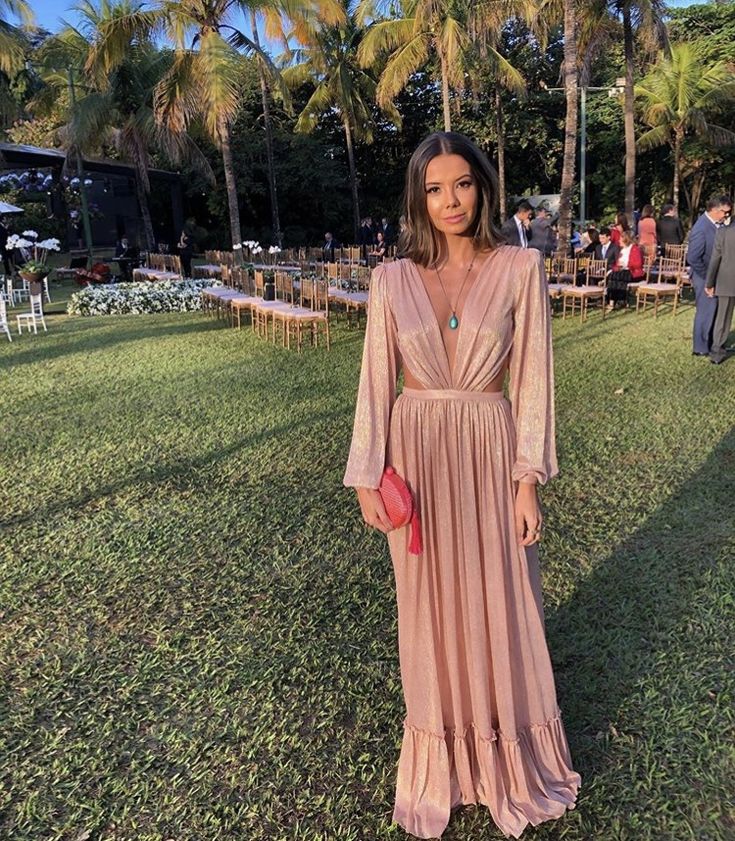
point(35, 269)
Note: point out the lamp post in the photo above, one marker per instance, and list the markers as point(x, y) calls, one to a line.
point(615, 90)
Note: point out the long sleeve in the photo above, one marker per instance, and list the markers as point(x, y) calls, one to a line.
point(376, 393)
point(532, 377)
point(697, 250)
point(715, 259)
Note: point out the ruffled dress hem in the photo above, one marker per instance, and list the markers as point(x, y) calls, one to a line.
point(522, 780)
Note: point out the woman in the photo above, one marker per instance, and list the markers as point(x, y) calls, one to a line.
point(592, 238)
point(456, 313)
point(627, 268)
point(647, 239)
point(619, 228)
point(379, 248)
point(186, 251)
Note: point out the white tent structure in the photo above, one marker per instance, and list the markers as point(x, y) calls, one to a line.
point(9, 208)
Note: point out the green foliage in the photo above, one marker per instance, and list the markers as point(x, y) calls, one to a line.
point(199, 633)
point(35, 216)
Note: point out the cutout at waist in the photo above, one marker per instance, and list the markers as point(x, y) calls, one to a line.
point(452, 394)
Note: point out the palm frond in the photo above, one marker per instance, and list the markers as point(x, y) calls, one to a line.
point(386, 36)
point(399, 68)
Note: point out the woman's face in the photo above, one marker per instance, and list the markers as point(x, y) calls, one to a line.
point(451, 194)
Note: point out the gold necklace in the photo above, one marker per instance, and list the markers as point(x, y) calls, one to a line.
point(454, 321)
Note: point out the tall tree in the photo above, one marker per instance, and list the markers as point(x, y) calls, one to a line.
point(643, 26)
point(450, 29)
point(13, 42)
point(116, 108)
point(680, 96)
point(570, 75)
point(327, 58)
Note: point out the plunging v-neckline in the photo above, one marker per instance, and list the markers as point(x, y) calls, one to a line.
point(435, 320)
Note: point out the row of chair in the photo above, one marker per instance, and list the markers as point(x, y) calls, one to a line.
point(159, 267)
point(301, 306)
point(664, 279)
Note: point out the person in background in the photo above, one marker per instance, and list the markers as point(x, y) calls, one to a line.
point(720, 282)
point(590, 241)
point(365, 235)
point(575, 240)
point(627, 268)
point(701, 243)
point(4, 254)
point(607, 249)
point(186, 251)
point(387, 230)
point(541, 232)
point(669, 230)
point(647, 236)
point(618, 229)
point(517, 229)
point(329, 247)
point(379, 247)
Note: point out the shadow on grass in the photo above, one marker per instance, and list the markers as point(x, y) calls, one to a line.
point(607, 637)
point(145, 476)
point(90, 338)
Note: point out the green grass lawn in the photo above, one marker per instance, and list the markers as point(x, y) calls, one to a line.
point(198, 636)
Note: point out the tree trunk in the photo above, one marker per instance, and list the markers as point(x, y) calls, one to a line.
point(145, 210)
point(230, 183)
point(277, 235)
point(353, 176)
point(501, 154)
point(445, 92)
point(570, 127)
point(677, 159)
point(629, 116)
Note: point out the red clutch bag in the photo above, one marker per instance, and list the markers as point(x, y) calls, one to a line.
point(400, 507)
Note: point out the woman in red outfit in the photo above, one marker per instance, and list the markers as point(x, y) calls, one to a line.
point(628, 268)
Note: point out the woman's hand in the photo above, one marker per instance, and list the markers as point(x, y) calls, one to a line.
point(373, 510)
point(529, 519)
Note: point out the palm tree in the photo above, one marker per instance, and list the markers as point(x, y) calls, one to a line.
point(115, 108)
point(451, 29)
point(642, 19)
point(327, 58)
point(680, 96)
point(301, 15)
point(570, 124)
point(12, 40)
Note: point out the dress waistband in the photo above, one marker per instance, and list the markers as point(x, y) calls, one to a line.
point(453, 394)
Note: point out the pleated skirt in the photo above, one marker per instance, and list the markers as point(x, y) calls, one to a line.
point(482, 723)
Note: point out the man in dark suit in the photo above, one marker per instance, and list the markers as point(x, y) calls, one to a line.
point(517, 229)
point(701, 243)
point(669, 229)
point(607, 250)
point(542, 233)
point(329, 247)
point(389, 234)
point(721, 283)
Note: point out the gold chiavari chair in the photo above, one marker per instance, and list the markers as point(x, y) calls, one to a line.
point(591, 292)
point(668, 284)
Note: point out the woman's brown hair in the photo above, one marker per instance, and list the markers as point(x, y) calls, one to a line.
point(419, 241)
point(647, 211)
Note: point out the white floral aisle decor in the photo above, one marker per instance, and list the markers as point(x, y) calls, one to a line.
point(148, 297)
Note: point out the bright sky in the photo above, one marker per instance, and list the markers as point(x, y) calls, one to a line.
point(49, 12)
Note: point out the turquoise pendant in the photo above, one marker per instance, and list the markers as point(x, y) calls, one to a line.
point(453, 322)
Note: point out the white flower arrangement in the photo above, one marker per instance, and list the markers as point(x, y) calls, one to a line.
point(256, 249)
point(237, 246)
point(274, 249)
point(139, 298)
point(29, 239)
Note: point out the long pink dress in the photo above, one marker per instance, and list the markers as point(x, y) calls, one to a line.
point(482, 722)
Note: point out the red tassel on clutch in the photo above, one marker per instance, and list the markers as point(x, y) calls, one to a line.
point(400, 507)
